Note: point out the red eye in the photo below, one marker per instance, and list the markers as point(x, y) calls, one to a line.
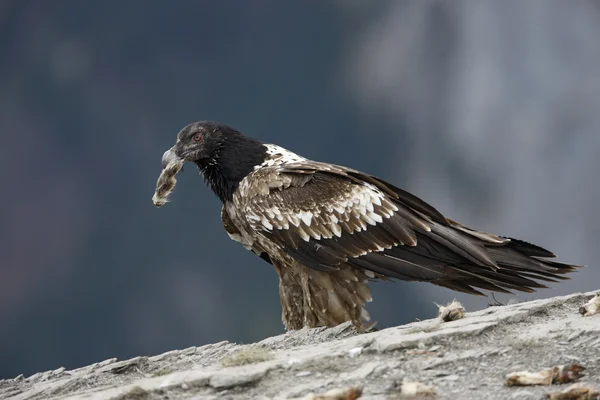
point(197, 137)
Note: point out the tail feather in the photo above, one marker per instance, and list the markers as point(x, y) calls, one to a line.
point(520, 267)
point(466, 260)
point(563, 268)
point(510, 258)
point(543, 275)
point(487, 284)
point(528, 249)
point(504, 278)
point(459, 286)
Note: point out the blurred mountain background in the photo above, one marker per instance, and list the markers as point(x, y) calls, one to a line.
point(489, 110)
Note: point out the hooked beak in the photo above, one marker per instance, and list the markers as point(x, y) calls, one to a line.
point(170, 156)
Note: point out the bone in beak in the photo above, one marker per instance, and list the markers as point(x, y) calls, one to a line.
point(169, 157)
point(165, 184)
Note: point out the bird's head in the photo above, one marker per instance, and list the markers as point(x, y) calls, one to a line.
point(198, 142)
point(224, 155)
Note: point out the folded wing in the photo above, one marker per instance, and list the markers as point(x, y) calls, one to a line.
point(328, 217)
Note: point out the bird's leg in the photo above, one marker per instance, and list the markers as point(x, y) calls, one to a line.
point(335, 297)
point(309, 316)
point(291, 298)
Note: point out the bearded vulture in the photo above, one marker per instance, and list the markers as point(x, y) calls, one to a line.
point(328, 230)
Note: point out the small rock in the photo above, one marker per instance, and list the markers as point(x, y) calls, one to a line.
point(451, 378)
point(219, 344)
point(592, 307)
point(34, 377)
point(526, 378)
point(434, 348)
point(575, 392)
point(247, 355)
point(106, 362)
point(100, 365)
point(18, 378)
point(293, 361)
point(45, 376)
point(124, 366)
point(355, 352)
point(574, 335)
point(162, 372)
point(303, 373)
point(380, 370)
point(451, 312)
point(439, 373)
point(135, 392)
point(347, 393)
point(185, 386)
point(548, 376)
point(312, 386)
point(523, 394)
point(363, 372)
point(410, 388)
point(229, 378)
point(162, 356)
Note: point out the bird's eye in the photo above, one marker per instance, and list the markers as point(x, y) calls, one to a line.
point(197, 137)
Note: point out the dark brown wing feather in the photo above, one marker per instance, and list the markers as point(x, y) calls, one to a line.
point(329, 217)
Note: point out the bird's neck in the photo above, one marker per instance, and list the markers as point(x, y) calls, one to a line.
point(236, 158)
point(218, 182)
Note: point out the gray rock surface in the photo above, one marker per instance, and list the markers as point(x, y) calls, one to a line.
point(464, 359)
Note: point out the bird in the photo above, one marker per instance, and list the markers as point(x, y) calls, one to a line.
point(329, 230)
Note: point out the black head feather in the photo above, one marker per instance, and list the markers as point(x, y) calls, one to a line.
point(223, 155)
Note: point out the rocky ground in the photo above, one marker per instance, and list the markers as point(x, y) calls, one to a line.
point(464, 359)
